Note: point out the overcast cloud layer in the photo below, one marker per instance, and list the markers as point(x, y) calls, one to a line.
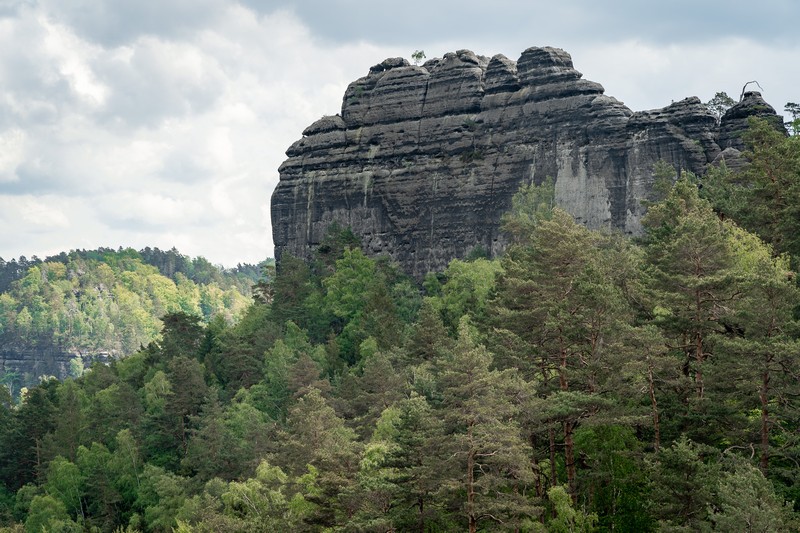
point(162, 123)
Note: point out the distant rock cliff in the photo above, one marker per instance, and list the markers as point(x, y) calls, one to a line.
point(423, 160)
point(25, 366)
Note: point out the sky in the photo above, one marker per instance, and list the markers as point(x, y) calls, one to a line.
point(162, 123)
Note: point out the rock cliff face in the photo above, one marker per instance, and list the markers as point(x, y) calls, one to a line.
point(23, 366)
point(423, 160)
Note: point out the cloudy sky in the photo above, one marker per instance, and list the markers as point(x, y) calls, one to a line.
point(163, 122)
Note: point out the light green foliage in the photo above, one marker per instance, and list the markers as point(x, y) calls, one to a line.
point(49, 514)
point(746, 501)
point(720, 104)
point(65, 483)
point(377, 486)
point(264, 503)
point(156, 392)
point(76, 367)
point(466, 289)
point(418, 56)
point(160, 496)
point(529, 206)
point(567, 519)
point(350, 285)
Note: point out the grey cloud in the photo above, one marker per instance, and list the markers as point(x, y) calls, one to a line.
point(116, 22)
point(184, 167)
point(198, 61)
point(542, 21)
point(150, 88)
point(31, 91)
point(34, 177)
point(10, 8)
point(47, 174)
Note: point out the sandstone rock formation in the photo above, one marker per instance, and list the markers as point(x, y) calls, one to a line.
point(423, 160)
point(23, 367)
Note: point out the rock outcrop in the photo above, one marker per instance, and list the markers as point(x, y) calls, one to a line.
point(423, 160)
point(24, 366)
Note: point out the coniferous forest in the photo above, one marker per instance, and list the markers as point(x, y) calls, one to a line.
point(583, 381)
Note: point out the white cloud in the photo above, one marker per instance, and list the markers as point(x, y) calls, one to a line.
point(146, 209)
point(36, 214)
point(12, 143)
point(72, 58)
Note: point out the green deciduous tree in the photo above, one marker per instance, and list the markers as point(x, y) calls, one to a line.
point(49, 514)
point(720, 104)
point(566, 518)
point(65, 483)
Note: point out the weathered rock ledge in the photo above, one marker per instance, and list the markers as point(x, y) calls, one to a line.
point(422, 161)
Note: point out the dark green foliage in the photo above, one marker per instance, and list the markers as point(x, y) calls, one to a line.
point(613, 481)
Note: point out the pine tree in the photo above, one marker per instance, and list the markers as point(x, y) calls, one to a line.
point(414, 455)
point(559, 315)
point(483, 453)
point(316, 436)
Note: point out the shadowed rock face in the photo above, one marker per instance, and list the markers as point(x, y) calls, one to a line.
point(423, 160)
point(24, 366)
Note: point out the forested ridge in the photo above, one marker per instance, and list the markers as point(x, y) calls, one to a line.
point(581, 382)
point(110, 301)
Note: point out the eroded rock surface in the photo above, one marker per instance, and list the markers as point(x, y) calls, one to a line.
point(423, 160)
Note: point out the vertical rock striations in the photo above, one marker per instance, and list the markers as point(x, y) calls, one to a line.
point(423, 160)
